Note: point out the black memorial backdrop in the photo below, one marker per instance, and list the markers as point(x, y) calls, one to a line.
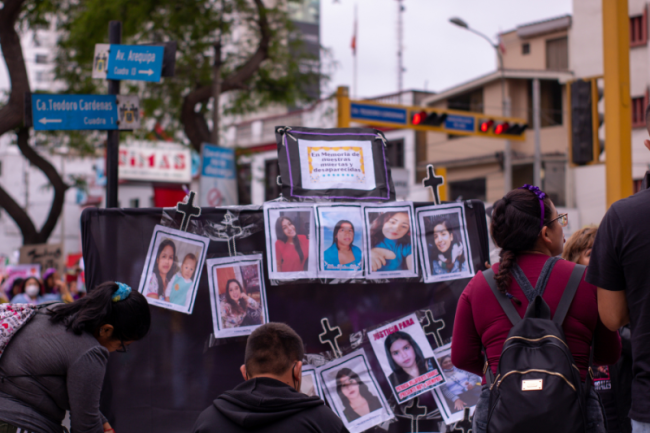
point(163, 382)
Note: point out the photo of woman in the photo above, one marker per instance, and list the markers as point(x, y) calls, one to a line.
point(237, 295)
point(171, 274)
point(340, 242)
point(291, 248)
point(405, 358)
point(357, 399)
point(342, 253)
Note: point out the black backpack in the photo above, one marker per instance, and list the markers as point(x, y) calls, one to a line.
point(538, 386)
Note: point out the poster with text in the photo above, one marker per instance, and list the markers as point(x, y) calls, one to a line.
point(290, 241)
point(461, 389)
point(172, 270)
point(237, 295)
point(353, 393)
point(340, 241)
point(406, 358)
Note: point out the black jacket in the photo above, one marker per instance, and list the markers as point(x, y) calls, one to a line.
point(265, 405)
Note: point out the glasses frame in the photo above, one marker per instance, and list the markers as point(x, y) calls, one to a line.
point(563, 215)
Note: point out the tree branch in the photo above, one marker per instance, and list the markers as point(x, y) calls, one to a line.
point(18, 214)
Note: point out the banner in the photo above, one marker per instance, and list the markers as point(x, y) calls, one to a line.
point(45, 255)
point(155, 162)
point(218, 185)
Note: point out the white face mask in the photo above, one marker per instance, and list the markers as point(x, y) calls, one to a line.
point(32, 290)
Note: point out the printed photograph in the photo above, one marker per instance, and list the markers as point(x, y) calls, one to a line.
point(461, 389)
point(353, 393)
point(444, 243)
point(237, 295)
point(406, 358)
point(309, 384)
point(340, 230)
point(290, 232)
point(390, 240)
point(173, 268)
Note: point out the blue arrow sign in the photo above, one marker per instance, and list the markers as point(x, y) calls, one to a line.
point(460, 123)
point(378, 113)
point(77, 112)
point(135, 62)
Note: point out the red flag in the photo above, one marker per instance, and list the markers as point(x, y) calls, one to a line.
point(353, 44)
point(502, 47)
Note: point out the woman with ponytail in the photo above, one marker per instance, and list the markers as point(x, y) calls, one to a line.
point(57, 361)
point(528, 229)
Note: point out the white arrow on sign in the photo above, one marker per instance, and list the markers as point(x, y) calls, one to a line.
point(148, 72)
point(45, 121)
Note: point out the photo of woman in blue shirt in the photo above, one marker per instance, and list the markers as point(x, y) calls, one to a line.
point(390, 242)
point(343, 255)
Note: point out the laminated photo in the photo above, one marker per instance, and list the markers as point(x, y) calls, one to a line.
point(390, 241)
point(340, 241)
point(406, 358)
point(290, 241)
point(461, 389)
point(172, 270)
point(237, 295)
point(444, 244)
point(309, 384)
point(353, 393)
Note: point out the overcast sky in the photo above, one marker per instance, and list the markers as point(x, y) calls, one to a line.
point(437, 54)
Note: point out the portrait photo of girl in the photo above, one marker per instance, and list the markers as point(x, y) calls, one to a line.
point(444, 242)
point(290, 235)
point(340, 230)
point(353, 393)
point(390, 240)
point(237, 294)
point(171, 274)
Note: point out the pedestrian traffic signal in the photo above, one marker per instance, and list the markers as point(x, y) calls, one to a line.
point(488, 126)
point(427, 119)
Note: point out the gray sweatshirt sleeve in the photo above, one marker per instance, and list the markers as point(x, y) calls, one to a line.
point(84, 380)
point(450, 395)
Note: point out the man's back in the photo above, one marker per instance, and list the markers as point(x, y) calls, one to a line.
point(620, 260)
point(265, 405)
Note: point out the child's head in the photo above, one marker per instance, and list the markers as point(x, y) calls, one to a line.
point(395, 226)
point(578, 247)
point(188, 266)
point(165, 258)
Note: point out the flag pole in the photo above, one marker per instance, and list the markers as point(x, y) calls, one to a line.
point(354, 55)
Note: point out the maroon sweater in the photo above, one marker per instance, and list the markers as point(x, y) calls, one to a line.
point(481, 320)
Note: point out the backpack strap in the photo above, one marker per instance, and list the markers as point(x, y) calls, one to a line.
point(504, 301)
point(569, 293)
point(521, 279)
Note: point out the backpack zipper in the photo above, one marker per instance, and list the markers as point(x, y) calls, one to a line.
point(536, 339)
point(536, 371)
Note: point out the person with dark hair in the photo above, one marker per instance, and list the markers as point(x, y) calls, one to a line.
point(357, 399)
point(390, 242)
point(447, 255)
point(238, 307)
point(269, 401)
point(54, 289)
point(342, 254)
point(31, 292)
point(57, 361)
point(164, 269)
point(405, 358)
point(528, 229)
point(291, 249)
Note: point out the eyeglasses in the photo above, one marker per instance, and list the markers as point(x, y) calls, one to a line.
point(562, 219)
point(122, 348)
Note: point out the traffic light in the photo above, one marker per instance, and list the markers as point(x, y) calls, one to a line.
point(487, 126)
point(582, 126)
point(427, 119)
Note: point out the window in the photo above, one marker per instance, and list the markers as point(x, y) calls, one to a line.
point(40, 76)
point(639, 29)
point(472, 101)
point(395, 153)
point(638, 111)
point(271, 171)
point(244, 178)
point(41, 59)
point(134, 202)
point(525, 48)
point(468, 189)
point(557, 54)
point(522, 174)
point(550, 102)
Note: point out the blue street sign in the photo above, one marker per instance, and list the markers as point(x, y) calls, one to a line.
point(77, 112)
point(135, 62)
point(460, 123)
point(378, 113)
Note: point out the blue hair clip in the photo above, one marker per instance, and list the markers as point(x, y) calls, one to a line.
point(509, 295)
point(122, 292)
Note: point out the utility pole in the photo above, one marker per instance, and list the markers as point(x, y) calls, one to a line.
point(537, 124)
point(216, 90)
point(400, 48)
point(113, 136)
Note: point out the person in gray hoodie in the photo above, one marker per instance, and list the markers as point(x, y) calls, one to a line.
point(269, 401)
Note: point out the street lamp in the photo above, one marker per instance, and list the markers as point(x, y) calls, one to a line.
point(505, 106)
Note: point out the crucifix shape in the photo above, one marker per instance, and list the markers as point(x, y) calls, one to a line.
point(187, 208)
point(434, 182)
point(461, 426)
point(228, 231)
point(433, 327)
point(330, 335)
point(415, 412)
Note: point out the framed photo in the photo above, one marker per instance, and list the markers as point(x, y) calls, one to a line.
point(390, 241)
point(237, 295)
point(340, 241)
point(406, 358)
point(290, 241)
point(172, 268)
point(337, 164)
point(348, 383)
point(461, 389)
point(444, 243)
point(309, 385)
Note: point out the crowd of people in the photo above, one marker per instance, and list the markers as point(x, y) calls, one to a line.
point(51, 286)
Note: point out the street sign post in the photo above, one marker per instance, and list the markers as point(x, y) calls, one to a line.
point(128, 62)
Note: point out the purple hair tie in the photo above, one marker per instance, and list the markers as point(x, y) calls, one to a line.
point(540, 195)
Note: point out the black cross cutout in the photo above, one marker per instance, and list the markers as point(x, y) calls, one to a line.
point(330, 336)
point(227, 230)
point(433, 327)
point(461, 426)
point(434, 182)
point(188, 210)
point(415, 412)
